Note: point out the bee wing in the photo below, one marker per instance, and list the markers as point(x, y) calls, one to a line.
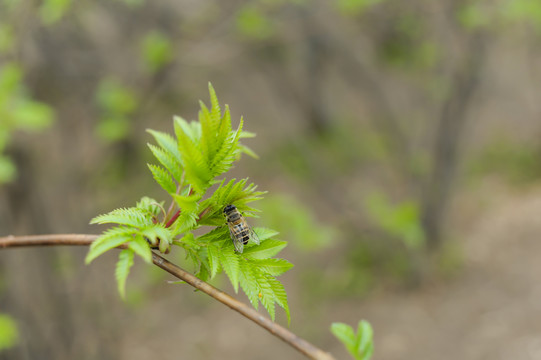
point(239, 246)
point(254, 236)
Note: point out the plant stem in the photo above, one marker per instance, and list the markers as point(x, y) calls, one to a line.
point(284, 334)
point(173, 219)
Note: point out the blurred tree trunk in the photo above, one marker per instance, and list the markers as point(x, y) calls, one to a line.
point(448, 135)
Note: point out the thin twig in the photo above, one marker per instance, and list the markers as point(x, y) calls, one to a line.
point(287, 336)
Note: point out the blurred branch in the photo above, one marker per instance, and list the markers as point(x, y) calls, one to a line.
point(449, 132)
point(357, 72)
point(284, 334)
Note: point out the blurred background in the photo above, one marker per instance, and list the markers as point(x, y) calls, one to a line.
point(399, 142)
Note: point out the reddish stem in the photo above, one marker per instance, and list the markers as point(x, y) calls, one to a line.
point(173, 219)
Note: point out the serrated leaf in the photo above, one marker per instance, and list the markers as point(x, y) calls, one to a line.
point(149, 205)
point(125, 262)
point(158, 234)
point(110, 239)
point(124, 216)
point(246, 150)
point(168, 160)
point(213, 260)
point(163, 178)
point(217, 234)
point(196, 168)
point(266, 296)
point(265, 233)
point(183, 128)
point(187, 203)
point(248, 283)
point(274, 267)
point(234, 192)
point(187, 221)
point(246, 135)
point(268, 248)
point(141, 248)
point(280, 296)
point(230, 264)
point(167, 142)
point(215, 105)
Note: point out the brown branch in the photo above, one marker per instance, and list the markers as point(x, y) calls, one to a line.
point(284, 334)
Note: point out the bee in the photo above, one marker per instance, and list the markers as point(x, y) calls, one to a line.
point(239, 229)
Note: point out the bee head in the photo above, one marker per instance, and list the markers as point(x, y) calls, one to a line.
point(229, 208)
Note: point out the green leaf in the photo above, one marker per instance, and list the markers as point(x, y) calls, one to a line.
point(124, 216)
point(248, 283)
point(266, 295)
point(234, 192)
point(280, 296)
point(274, 267)
point(163, 178)
point(346, 335)
point(219, 233)
point(196, 169)
point(266, 249)
point(245, 149)
point(364, 340)
point(188, 203)
point(187, 221)
point(157, 234)
point(168, 160)
point(141, 248)
point(110, 239)
point(167, 142)
point(149, 205)
point(213, 260)
point(230, 263)
point(265, 233)
point(359, 345)
point(125, 262)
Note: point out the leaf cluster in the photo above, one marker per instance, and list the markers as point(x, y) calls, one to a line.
point(188, 165)
point(359, 345)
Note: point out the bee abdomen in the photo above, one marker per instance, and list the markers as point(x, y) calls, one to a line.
point(245, 236)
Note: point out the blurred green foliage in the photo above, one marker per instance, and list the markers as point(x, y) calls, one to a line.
point(338, 151)
point(9, 335)
point(356, 7)
point(51, 11)
point(402, 220)
point(133, 3)
point(7, 38)
point(297, 223)
point(17, 112)
point(253, 23)
point(474, 15)
point(116, 102)
point(156, 50)
point(517, 163)
point(523, 10)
